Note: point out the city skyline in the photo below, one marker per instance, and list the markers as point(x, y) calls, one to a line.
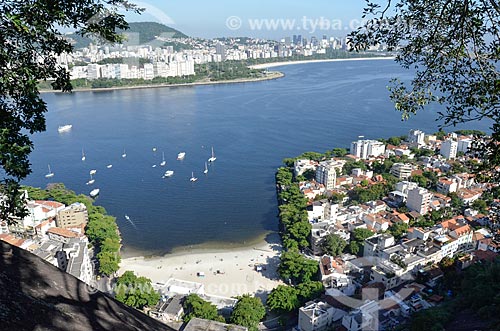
point(258, 19)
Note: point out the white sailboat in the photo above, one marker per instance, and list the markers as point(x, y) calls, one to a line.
point(50, 174)
point(163, 162)
point(83, 155)
point(168, 173)
point(91, 181)
point(124, 155)
point(181, 156)
point(93, 172)
point(64, 128)
point(109, 166)
point(94, 193)
point(193, 178)
point(206, 169)
point(212, 158)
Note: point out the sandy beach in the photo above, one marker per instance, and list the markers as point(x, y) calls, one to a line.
point(226, 273)
point(287, 63)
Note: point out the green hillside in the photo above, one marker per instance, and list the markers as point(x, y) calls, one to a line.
point(146, 30)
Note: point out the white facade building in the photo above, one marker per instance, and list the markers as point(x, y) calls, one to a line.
point(401, 170)
point(464, 145)
point(449, 149)
point(364, 149)
point(363, 318)
point(419, 200)
point(416, 137)
point(318, 316)
point(326, 173)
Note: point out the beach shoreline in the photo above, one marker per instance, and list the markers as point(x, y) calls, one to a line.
point(226, 272)
point(272, 75)
point(287, 63)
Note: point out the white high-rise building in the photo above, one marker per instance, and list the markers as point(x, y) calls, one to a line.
point(149, 71)
point(464, 145)
point(419, 200)
point(416, 137)
point(93, 71)
point(364, 149)
point(449, 149)
point(121, 71)
point(326, 173)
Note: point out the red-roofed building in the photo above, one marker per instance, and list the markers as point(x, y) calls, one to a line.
point(62, 235)
point(10, 239)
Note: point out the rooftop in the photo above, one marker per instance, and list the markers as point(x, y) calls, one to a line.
point(198, 324)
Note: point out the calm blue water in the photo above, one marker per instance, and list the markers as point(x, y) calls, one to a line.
point(252, 127)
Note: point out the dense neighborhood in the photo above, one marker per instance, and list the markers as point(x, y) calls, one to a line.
point(393, 224)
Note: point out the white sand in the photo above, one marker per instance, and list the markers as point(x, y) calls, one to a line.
point(287, 63)
point(236, 266)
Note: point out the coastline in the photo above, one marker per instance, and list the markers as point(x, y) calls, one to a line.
point(272, 75)
point(237, 267)
point(287, 63)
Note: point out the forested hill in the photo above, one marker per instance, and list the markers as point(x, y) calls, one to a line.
point(147, 32)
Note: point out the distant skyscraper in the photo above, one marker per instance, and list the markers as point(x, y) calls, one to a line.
point(220, 49)
point(294, 39)
point(288, 41)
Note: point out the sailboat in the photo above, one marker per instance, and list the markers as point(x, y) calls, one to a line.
point(94, 193)
point(193, 178)
point(50, 174)
point(163, 162)
point(91, 181)
point(206, 169)
point(93, 172)
point(212, 158)
point(124, 155)
point(83, 155)
point(109, 166)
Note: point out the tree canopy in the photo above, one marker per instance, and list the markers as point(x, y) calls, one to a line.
point(451, 46)
point(296, 267)
point(136, 292)
point(283, 299)
point(194, 306)
point(30, 46)
point(333, 244)
point(248, 312)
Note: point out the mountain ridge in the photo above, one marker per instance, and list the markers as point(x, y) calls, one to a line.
point(147, 31)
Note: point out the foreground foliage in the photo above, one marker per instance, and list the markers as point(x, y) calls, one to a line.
point(478, 292)
point(452, 48)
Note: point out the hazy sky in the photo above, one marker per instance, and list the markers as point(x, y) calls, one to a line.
point(219, 18)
